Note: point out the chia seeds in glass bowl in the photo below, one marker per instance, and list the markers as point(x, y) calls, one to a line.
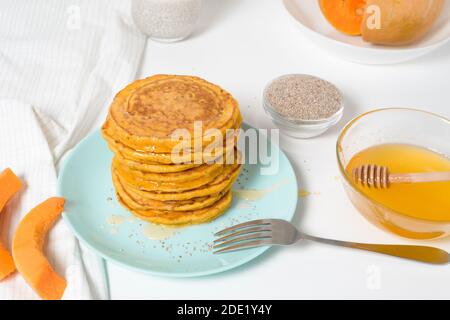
point(166, 20)
point(303, 106)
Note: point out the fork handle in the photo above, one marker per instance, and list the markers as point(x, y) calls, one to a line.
point(418, 253)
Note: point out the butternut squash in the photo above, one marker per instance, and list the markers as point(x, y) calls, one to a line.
point(10, 184)
point(344, 15)
point(401, 22)
point(28, 253)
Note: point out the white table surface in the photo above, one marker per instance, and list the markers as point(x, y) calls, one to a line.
point(241, 45)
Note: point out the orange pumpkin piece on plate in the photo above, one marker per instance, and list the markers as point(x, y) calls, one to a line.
point(10, 184)
point(28, 246)
point(344, 15)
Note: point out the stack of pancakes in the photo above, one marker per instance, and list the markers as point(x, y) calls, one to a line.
point(165, 170)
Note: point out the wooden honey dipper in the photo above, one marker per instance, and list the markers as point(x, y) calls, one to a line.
point(378, 177)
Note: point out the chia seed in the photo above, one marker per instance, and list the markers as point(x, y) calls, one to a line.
point(303, 97)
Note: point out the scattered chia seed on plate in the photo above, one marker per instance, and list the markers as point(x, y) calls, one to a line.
point(303, 97)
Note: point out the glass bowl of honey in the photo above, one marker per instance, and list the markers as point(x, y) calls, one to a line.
point(405, 141)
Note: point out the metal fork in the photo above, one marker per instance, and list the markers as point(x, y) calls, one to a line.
point(268, 232)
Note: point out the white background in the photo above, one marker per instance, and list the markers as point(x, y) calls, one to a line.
point(241, 45)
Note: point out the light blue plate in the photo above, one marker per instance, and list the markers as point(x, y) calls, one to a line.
point(85, 183)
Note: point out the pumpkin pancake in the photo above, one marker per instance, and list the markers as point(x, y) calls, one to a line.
point(111, 129)
point(139, 203)
point(168, 217)
point(144, 115)
point(167, 176)
point(127, 153)
point(154, 167)
point(220, 183)
point(171, 186)
point(203, 171)
point(157, 186)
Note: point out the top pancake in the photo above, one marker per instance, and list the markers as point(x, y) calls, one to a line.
point(146, 113)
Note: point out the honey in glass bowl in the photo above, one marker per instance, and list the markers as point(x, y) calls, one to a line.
point(429, 201)
point(406, 141)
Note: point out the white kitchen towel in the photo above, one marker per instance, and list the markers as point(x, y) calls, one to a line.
point(61, 63)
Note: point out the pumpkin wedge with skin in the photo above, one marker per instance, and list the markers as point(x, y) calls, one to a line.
point(345, 16)
point(10, 184)
point(28, 246)
point(402, 21)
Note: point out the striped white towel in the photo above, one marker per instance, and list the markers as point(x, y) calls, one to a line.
point(61, 63)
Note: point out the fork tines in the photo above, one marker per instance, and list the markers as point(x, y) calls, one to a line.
point(249, 234)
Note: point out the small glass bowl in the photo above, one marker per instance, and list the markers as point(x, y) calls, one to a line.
point(166, 21)
point(393, 125)
point(300, 129)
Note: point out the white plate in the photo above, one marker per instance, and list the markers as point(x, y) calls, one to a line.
point(313, 24)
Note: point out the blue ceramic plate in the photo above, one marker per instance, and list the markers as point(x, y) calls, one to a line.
point(98, 220)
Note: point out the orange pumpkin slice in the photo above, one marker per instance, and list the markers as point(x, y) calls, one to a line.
point(10, 184)
point(27, 249)
point(344, 15)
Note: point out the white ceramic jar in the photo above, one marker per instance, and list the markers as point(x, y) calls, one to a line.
point(166, 20)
